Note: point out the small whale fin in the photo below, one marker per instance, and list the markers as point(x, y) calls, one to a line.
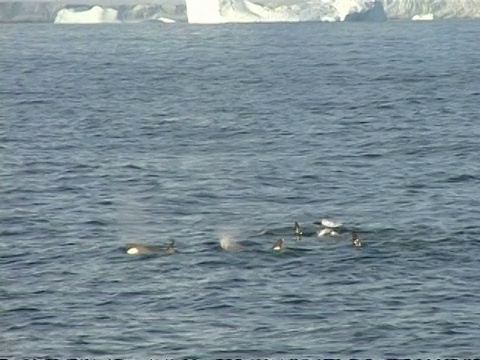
point(171, 247)
point(298, 230)
point(356, 239)
point(279, 245)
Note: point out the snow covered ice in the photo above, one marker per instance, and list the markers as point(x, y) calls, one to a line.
point(225, 11)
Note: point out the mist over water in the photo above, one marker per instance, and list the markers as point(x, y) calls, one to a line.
point(202, 134)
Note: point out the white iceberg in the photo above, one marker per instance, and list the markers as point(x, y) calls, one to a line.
point(440, 9)
point(241, 11)
point(95, 15)
point(223, 11)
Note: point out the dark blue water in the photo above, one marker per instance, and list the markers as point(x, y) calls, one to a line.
point(146, 133)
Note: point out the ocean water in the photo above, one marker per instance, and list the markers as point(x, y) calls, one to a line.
point(111, 134)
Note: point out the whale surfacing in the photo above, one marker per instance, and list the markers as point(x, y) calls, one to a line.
point(279, 245)
point(327, 231)
point(328, 223)
point(329, 227)
point(298, 230)
point(228, 243)
point(139, 249)
point(356, 240)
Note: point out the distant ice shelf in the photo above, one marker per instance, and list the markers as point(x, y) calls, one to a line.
point(95, 15)
point(439, 9)
point(242, 11)
point(56, 12)
point(224, 11)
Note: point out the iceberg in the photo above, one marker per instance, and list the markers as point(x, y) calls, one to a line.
point(224, 11)
point(95, 15)
point(204, 12)
point(152, 12)
point(440, 9)
point(240, 11)
point(68, 12)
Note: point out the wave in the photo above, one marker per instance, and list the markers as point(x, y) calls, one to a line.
point(424, 17)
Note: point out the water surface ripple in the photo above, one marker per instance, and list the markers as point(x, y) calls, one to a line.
point(146, 133)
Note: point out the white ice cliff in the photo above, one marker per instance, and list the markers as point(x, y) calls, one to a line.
point(222, 11)
point(238, 11)
point(95, 15)
point(40, 11)
point(439, 9)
